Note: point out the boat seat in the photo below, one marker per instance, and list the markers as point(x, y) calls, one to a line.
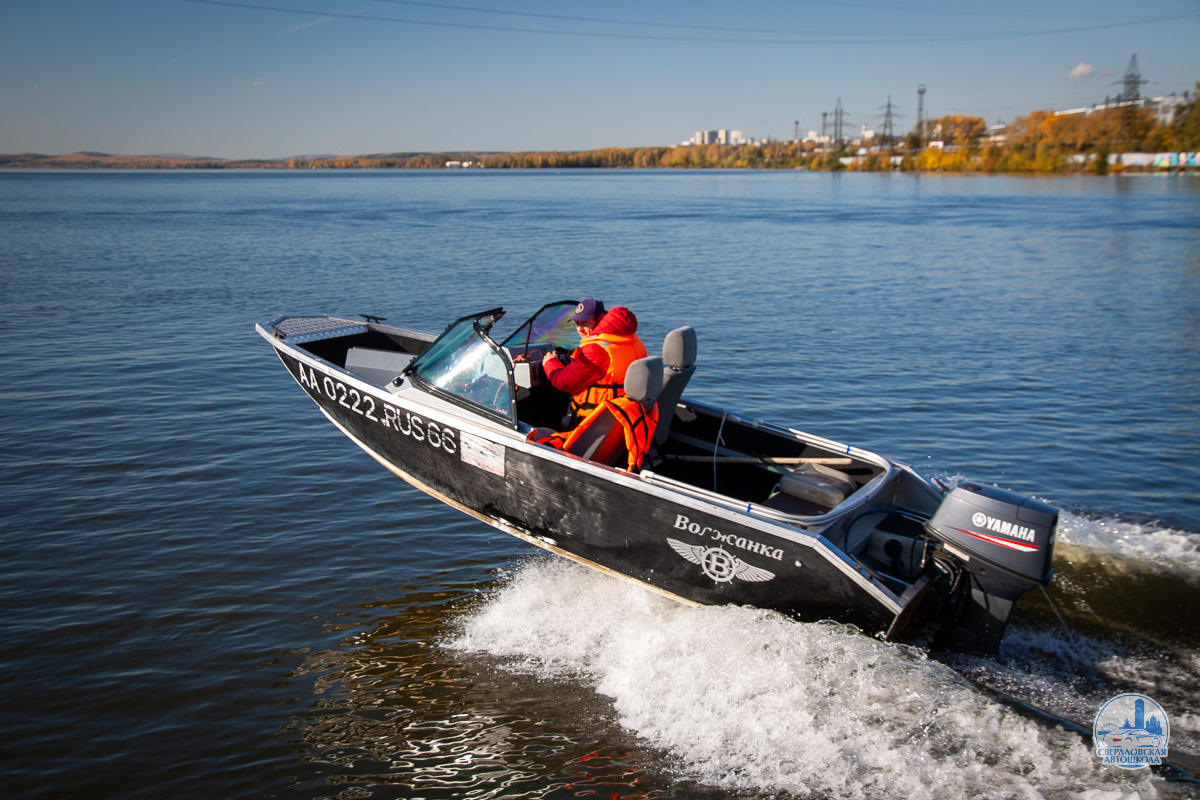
point(811, 487)
point(377, 366)
point(679, 359)
point(604, 439)
point(819, 484)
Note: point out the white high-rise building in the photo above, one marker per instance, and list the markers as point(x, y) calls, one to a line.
point(726, 137)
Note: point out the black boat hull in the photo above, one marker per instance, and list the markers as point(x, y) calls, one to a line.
point(606, 518)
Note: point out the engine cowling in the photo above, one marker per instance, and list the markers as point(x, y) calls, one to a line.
point(999, 531)
point(1005, 542)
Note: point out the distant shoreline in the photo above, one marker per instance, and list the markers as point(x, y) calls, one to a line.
point(1115, 138)
point(766, 156)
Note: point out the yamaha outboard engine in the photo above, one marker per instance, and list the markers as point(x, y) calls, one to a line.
point(1004, 542)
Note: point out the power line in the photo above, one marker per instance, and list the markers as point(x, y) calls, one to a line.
point(939, 11)
point(849, 37)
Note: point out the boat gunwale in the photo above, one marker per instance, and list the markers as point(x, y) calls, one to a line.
point(668, 486)
point(679, 493)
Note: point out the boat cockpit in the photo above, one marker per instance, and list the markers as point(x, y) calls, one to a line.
point(782, 472)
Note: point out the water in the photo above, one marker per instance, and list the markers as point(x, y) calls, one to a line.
point(209, 592)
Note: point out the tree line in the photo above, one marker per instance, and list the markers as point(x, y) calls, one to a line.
point(1040, 142)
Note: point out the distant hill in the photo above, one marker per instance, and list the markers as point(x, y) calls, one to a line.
point(94, 160)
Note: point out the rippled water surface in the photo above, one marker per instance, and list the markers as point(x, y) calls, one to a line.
point(208, 591)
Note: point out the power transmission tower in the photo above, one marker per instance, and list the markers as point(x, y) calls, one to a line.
point(824, 116)
point(921, 113)
point(887, 134)
point(1131, 83)
point(796, 136)
point(1131, 97)
point(838, 119)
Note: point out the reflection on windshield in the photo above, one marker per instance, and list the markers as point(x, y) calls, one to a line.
point(465, 365)
point(551, 326)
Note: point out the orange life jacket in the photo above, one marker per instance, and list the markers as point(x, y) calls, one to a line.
point(622, 349)
point(637, 425)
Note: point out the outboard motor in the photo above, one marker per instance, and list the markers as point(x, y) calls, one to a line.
point(1004, 542)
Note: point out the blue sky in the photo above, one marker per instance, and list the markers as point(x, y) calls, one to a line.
point(274, 78)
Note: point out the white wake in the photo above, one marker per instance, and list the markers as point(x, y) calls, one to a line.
point(749, 700)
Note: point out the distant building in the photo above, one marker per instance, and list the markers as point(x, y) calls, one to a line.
point(725, 137)
point(1164, 107)
point(1167, 105)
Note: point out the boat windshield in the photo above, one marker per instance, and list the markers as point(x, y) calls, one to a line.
point(551, 325)
point(467, 365)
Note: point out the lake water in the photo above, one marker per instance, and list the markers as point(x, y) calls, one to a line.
point(208, 591)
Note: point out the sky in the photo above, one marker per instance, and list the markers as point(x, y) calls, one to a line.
point(279, 78)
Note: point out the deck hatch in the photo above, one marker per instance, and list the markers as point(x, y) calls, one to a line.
point(311, 329)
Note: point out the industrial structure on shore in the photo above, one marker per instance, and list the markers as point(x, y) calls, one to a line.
point(838, 132)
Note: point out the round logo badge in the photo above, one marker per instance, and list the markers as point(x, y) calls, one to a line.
point(719, 565)
point(1131, 732)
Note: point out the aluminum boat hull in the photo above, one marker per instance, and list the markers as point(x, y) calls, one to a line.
point(692, 545)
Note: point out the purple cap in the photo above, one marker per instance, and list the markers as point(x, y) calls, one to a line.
point(588, 309)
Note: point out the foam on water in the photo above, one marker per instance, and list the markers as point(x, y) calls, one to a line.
point(1143, 542)
point(749, 700)
point(1148, 543)
point(1071, 675)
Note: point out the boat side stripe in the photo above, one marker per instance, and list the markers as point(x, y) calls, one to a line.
point(1011, 545)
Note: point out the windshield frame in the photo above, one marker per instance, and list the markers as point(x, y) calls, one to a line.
point(448, 344)
point(520, 340)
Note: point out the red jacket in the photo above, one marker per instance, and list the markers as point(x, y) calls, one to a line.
point(590, 362)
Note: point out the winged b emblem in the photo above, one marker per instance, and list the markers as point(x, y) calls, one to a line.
point(719, 564)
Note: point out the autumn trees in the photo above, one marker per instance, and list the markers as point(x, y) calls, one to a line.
point(1041, 141)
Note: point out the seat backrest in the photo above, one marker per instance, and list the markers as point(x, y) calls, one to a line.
point(644, 379)
point(679, 356)
point(604, 438)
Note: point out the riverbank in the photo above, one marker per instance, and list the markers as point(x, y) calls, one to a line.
point(697, 157)
point(1115, 139)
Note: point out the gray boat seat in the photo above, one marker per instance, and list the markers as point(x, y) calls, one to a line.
point(377, 366)
point(818, 484)
point(679, 358)
point(604, 439)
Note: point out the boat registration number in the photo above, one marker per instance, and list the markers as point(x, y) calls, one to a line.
point(427, 431)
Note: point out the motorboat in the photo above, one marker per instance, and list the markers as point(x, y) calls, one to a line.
point(724, 509)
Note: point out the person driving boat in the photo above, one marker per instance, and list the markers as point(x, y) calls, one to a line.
point(595, 371)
